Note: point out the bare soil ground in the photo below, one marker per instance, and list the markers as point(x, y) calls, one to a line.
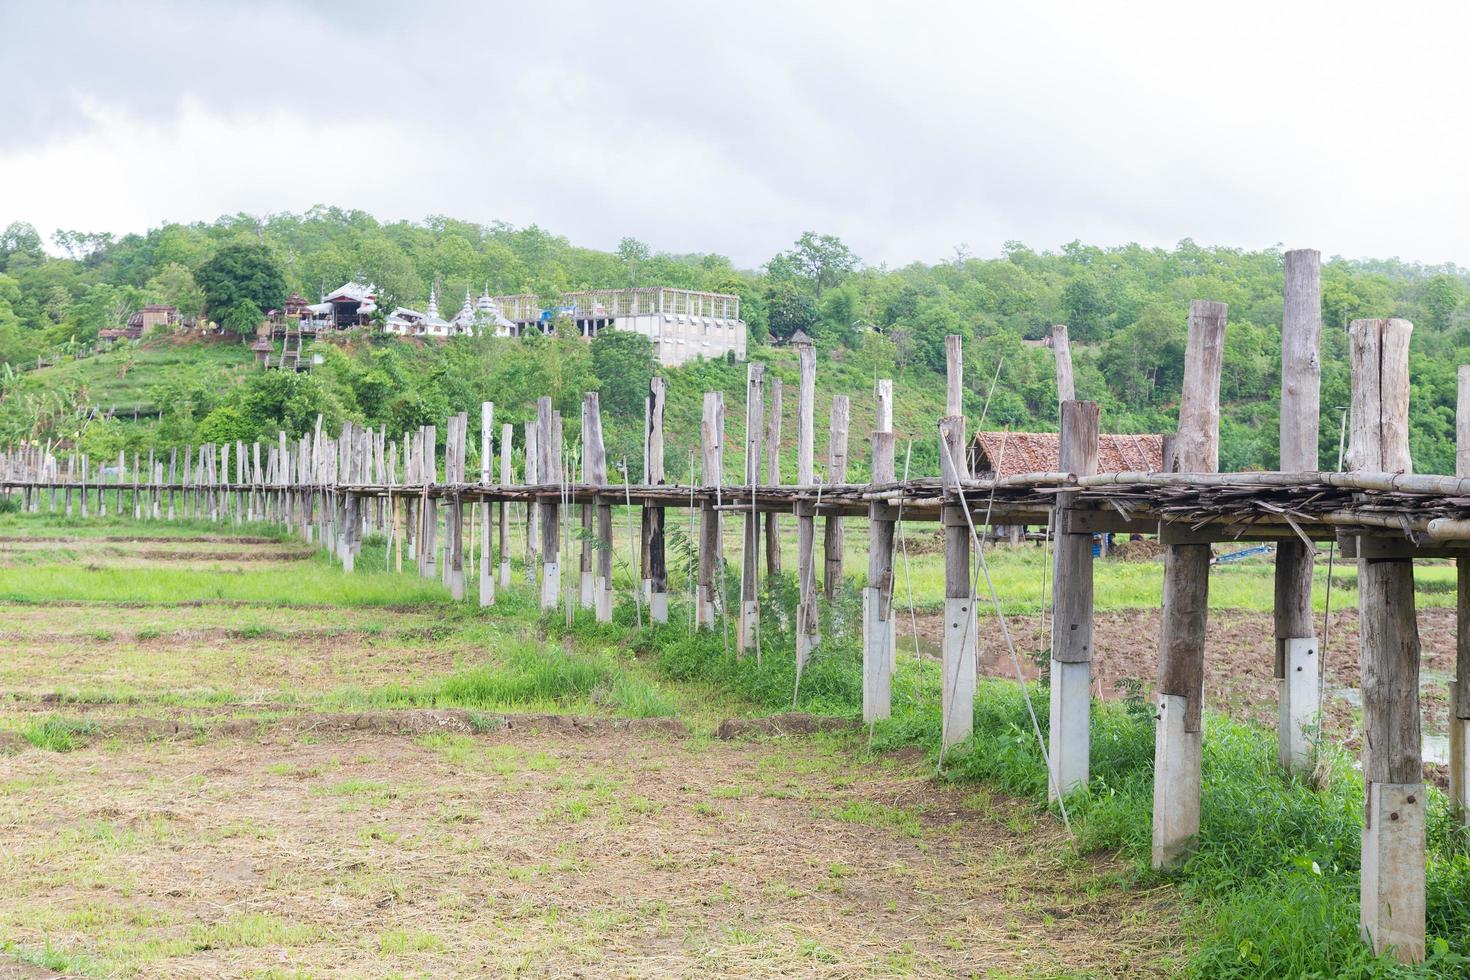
point(1239, 664)
point(617, 855)
point(261, 836)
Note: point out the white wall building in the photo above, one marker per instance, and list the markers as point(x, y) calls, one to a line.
point(682, 324)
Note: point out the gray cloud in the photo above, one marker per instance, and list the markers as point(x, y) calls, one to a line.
point(695, 126)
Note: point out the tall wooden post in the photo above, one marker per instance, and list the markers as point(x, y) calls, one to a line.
point(1179, 694)
point(1392, 877)
point(808, 635)
point(836, 473)
point(773, 478)
point(487, 577)
point(1071, 641)
point(454, 513)
point(549, 471)
point(586, 585)
point(879, 636)
point(507, 477)
point(1061, 347)
point(1460, 684)
point(595, 456)
point(429, 523)
point(1297, 659)
point(750, 610)
point(957, 701)
point(655, 566)
point(711, 551)
point(533, 511)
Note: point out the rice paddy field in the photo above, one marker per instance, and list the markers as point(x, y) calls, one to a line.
point(222, 756)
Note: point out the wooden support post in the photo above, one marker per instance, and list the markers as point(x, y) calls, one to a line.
point(961, 644)
point(1297, 660)
point(1061, 347)
point(1460, 684)
point(454, 474)
point(594, 455)
point(533, 519)
point(836, 473)
point(708, 600)
point(586, 584)
point(429, 520)
point(487, 576)
point(1392, 880)
point(655, 566)
point(773, 478)
point(879, 635)
point(808, 635)
point(1071, 641)
point(1179, 694)
point(549, 471)
point(750, 610)
point(507, 477)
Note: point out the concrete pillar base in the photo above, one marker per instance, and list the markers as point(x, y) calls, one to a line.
point(550, 584)
point(1177, 757)
point(1071, 727)
point(960, 644)
point(805, 644)
point(1459, 760)
point(704, 608)
point(1299, 709)
point(505, 573)
point(602, 599)
point(487, 587)
point(750, 625)
point(456, 584)
point(658, 607)
point(878, 655)
point(586, 591)
point(1391, 912)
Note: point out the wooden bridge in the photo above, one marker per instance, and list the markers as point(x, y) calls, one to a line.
point(452, 523)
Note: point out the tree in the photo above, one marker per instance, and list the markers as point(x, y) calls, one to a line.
point(241, 276)
point(174, 286)
point(633, 254)
point(624, 364)
point(244, 318)
point(789, 308)
point(823, 260)
point(20, 245)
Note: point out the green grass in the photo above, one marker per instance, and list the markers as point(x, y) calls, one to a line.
point(57, 734)
point(311, 584)
point(110, 379)
point(528, 674)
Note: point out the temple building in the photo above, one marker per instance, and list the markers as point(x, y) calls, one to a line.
point(350, 305)
point(473, 317)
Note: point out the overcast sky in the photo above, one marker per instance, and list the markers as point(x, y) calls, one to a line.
point(908, 129)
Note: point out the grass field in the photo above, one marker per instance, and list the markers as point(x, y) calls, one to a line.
point(223, 756)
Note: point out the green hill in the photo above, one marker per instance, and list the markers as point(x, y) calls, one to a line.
point(1125, 305)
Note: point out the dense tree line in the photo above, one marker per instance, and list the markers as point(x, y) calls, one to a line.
point(1125, 306)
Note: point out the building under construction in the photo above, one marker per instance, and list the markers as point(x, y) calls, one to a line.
point(682, 324)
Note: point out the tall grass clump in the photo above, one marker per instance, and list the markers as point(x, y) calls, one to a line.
point(526, 674)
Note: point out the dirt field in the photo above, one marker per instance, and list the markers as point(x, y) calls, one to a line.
point(178, 799)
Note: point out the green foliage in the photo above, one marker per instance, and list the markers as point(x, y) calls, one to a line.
point(1126, 307)
point(623, 363)
point(225, 426)
point(239, 276)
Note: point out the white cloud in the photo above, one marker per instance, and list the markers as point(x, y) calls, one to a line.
point(905, 130)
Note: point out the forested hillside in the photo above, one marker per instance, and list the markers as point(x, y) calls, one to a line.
point(1125, 306)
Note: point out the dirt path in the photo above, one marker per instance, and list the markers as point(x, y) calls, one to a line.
point(552, 854)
